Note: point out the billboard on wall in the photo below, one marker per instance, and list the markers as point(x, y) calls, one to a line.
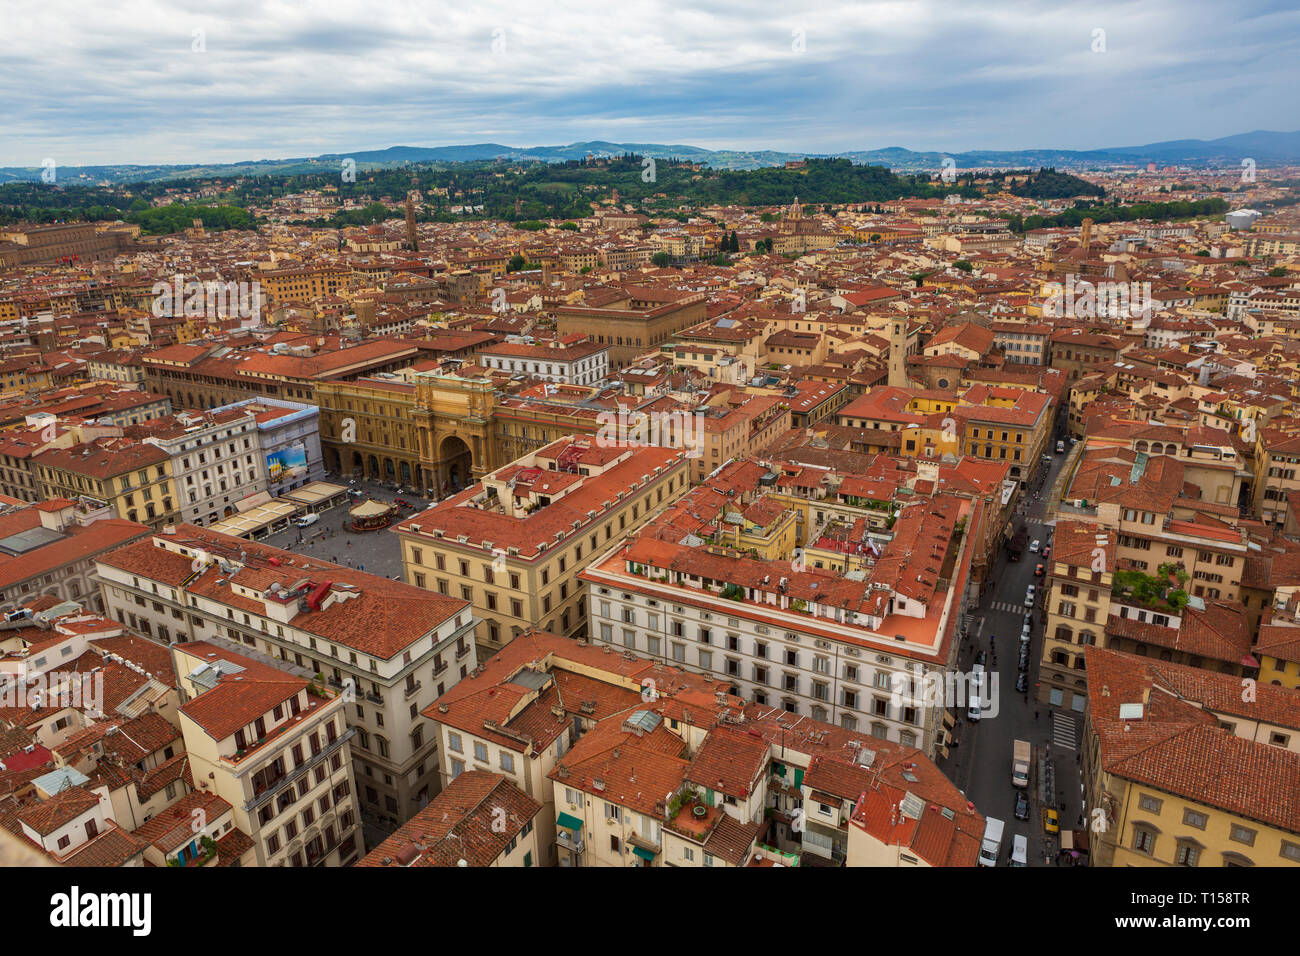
point(286, 462)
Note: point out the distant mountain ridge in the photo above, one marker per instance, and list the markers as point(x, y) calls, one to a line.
point(1263, 146)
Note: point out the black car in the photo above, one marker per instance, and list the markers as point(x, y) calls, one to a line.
point(1022, 682)
point(1022, 805)
point(979, 658)
point(1024, 657)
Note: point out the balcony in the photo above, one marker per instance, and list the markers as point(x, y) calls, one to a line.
point(569, 840)
point(636, 839)
point(289, 779)
point(412, 689)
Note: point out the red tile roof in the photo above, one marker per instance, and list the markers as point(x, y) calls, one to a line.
point(464, 822)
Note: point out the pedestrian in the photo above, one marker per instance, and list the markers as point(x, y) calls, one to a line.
point(1035, 715)
point(334, 559)
point(363, 567)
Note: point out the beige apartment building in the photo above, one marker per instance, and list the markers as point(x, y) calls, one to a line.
point(638, 319)
point(1277, 474)
point(1214, 784)
point(526, 708)
point(131, 477)
point(513, 544)
point(1076, 609)
point(1140, 499)
point(745, 426)
point(275, 747)
point(390, 648)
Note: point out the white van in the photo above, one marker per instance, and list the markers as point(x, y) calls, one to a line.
point(1019, 850)
point(973, 688)
point(306, 520)
point(1060, 447)
point(991, 845)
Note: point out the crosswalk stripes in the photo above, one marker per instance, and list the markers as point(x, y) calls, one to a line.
point(1063, 732)
point(1008, 608)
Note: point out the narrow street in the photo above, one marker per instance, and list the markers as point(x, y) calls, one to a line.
point(981, 763)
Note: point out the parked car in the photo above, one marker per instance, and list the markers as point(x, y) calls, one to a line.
point(1047, 551)
point(979, 658)
point(1029, 619)
point(1022, 805)
point(1025, 633)
point(1019, 851)
point(1051, 821)
point(1038, 571)
point(1022, 682)
point(1035, 546)
point(1024, 657)
point(1029, 596)
point(976, 685)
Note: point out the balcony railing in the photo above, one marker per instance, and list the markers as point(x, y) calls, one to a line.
point(289, 779)
point(645, 843)
point(569, 840)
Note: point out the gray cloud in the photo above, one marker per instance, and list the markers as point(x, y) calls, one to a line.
point(120, 83)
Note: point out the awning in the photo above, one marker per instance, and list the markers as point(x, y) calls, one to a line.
point(568, 822)
point(647, 855)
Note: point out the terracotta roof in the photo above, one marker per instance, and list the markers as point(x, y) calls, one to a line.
point(238, 699)
point(174, 827)
point(113, 847)
point(384, 619)
point(62, 808)
point(460, 823)
point(729, 761)
point(1179, 747)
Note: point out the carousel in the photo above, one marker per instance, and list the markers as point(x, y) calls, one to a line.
point(370, 516)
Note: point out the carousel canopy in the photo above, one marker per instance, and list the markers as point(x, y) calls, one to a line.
point(370, 509)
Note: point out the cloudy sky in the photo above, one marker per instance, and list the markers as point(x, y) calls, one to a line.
point(147, 81)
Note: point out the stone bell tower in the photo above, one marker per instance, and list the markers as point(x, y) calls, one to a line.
point(898, 352)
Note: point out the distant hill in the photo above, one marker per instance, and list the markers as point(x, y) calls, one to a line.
point(1263, 146)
